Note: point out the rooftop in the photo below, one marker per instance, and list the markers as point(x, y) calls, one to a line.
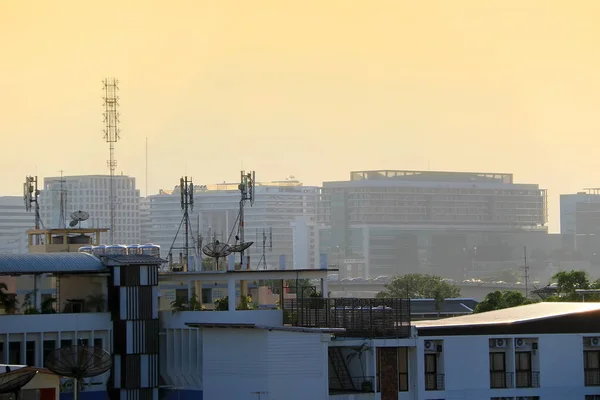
point(271, 328)
point(509, 316)
point(432, 176)
point(48, 263)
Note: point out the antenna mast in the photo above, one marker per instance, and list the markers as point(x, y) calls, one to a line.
point(30, 195)
point(62, 219)
point(111, 136)
point(186, 189)
point(526, 269)
point(263, 258)
point(247, 182)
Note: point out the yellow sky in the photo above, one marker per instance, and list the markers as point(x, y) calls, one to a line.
point(307, 88)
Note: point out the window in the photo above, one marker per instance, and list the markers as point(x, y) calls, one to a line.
point(83, 342)
point(14, 353)
point(48, 347)
point(30, 353)
point(403, 369)
point(432, 379)
point(498, 370)
point(592, 397)
point(66, 343)
point(591, 367)
point(523, 369)
point(206, 296)
point(2, 359)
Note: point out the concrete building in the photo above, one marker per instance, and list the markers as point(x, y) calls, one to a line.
point(580, 213)
point(145, 222)
point(91, 193)
point(216, 209)
point(305, 239)
point(14, 223)
point(440, 222)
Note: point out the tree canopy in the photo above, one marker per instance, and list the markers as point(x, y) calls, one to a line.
point(502, 299)
point(420, 286)
point(568, 282)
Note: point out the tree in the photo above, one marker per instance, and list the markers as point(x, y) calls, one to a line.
point(420, 286)
point(502, 299)
point(183, 304)
point(567, 284)
point(7, 301)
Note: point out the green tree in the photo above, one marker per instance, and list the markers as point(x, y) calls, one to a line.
point(567, 284)
point(502, 299)
point(420, 286)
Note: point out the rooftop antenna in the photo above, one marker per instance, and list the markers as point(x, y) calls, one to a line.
point(77, 218)
point(30, 196)
point(186, 189)
point(526, 270)
point(111, 136)
point(263, 257)
point(146, 190)
point(62, 219)
point(246, 186)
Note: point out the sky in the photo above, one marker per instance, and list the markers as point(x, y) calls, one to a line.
point(312, 88)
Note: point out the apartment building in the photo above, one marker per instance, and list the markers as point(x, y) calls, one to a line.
point(62, 196)
point(14, 222)
point(410, 221)
point(215, 216)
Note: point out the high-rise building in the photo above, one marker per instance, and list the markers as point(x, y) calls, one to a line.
point(216, 210)
point(305, 233)
point(580, 213)
point(14, 223)
point(145, 223)
point(406, 221)
point(62, 196)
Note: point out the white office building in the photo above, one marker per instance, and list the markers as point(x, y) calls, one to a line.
point(91, 193)
point(215, 215)
point(14, 222)
point(305, 232)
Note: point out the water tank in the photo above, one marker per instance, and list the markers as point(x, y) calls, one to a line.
point(115, 250)
point(86, 249)
point(133, 249)
point(150, 250)
point(98, 250)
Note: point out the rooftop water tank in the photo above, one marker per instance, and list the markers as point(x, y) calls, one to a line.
point(115, 250)
point(133, 249)
point(150, 250)
point(98, 250)
point(86, 249)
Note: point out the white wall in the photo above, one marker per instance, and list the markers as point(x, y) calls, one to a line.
point(286, 365)
point(258, 317)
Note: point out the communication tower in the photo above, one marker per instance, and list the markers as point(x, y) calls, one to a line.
point(246, 186)
point(111, 136)
point(186, 187)
point(31, 194)
point(263, 257)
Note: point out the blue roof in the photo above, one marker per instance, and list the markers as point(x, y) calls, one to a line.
point(42, 263)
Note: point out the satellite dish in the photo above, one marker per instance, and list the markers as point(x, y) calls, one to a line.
point(78, 362)
point(13, 381)
point(77, 217)
point(239, 247)
point(217, 249)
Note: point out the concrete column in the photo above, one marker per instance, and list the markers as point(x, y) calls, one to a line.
point(198, 290)
point(37, 285)
point(324, 288)
point(231, 293)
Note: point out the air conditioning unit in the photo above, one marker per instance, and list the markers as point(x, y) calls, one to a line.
point(429, 345)
point(499, 343)
point(595, 342)
point(520, 343)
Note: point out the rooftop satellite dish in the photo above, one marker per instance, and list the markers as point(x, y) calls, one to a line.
point(239, 247)
point(13, 381)
point(217, 249)
point(78, 362)
point(77, 217)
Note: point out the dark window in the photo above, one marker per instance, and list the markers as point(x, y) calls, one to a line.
point(98, 343)
point(431, 374)
point(591, 367)
point(498, 370)
point(48, 347)
point(206, 296)
point(181, 294)
point(66, 343)
point(592, 397)
point(403, 369)
point(523, 369)
point(14, 353)
point(30, 353)
point(2, 359)
point(83, 342)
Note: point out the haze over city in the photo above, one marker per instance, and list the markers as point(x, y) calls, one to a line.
point(312, 89)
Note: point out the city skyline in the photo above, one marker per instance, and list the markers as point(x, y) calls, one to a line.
point(494, 86)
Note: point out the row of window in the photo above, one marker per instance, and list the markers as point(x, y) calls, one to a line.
point(15, 353)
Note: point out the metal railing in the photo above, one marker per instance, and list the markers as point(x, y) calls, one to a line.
point(501, 380)
point(434, 381)
point(592, 377)
point(359, 317)
point(365, 384)
point(527, 379)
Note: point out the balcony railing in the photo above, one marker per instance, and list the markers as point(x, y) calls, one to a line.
point(592, 377)
point(501, 380)
point(528, 379)
point(434, 381)
point(365, 384)
point(359, 317)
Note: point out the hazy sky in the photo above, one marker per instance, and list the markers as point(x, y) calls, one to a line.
point(312, 89)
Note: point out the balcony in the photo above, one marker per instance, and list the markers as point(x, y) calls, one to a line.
point(359, 317)
point(501, 380)
point(527, 379)
point(434, 381)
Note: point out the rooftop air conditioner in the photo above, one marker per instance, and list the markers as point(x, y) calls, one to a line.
point(499, 343)
point(429, 345)
point(520, 343)
point(595, 342)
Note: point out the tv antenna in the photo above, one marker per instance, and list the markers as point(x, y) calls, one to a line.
point(111, 136)
point(186, 188)
point(13, 381)
point(526, 272)
point(63, 201)
point(77, 218)
point(246, 187)
point(30, 196)
point(263, 257)
point(78, 362)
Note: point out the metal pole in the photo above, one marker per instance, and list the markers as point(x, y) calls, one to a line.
point(185, 215)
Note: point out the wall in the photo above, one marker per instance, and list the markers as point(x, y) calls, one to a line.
point(181, 358)
point(258, 317)
point(45, 381)
point(80, 287)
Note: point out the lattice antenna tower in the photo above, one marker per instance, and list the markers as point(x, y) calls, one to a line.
point(31, 195)
point(246, 186)
point(62, 219)
point(263, 257)
point(186, 188)
point(526, 272)
point(111, 136)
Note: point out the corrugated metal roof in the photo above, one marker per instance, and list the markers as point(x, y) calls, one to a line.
point(42, 263)
point(514, 315)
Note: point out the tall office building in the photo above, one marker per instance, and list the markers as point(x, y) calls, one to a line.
point(408, 221)
point(62, 196)
point(580, 213)
point(215, 214)
point(14, 223)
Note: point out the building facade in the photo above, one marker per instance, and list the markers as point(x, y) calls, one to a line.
point(62, 196)
point(14, 223)
point(409, 221)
